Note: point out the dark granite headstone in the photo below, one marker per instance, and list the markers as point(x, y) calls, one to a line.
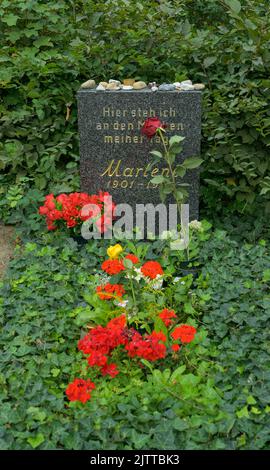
point(115, 155)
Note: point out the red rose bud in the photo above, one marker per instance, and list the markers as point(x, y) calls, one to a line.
point(151, 125)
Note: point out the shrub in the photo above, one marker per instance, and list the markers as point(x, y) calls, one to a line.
point(49, 48)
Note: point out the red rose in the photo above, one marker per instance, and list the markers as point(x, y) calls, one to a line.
point(151, 125)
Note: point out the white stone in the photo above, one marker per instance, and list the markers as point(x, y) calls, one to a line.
point(113, 86)
point(89, 84)
point(100, 88)
point(114, 81)
point(186, 87)
point(127, 87)
point(186, 82)
point(199, 86)
point(154, 88)
point(177, 84)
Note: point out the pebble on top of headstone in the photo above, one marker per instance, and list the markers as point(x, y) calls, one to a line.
point(131, 84)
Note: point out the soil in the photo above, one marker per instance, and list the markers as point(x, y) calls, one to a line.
point(6, 246)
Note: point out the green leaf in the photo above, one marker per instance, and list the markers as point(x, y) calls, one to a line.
point(191, 163)
point(209, 61)
point(176, 374)
point(158, 179)
point(55, 372)
point(36, 441)
point(266, 275)
point(175, 140)
point(243, 413)
point(234, 5)
point(180, 424)
point(156, 153)
point(180, 171)
point(10, 19)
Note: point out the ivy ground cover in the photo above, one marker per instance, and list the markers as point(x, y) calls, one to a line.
point(217, 398)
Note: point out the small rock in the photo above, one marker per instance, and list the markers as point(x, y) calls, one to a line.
point(186, 87)
point(154, 88)
point(114, 81)
point(139, 85)
point(186, 82)
point(166, 87)
point(113, 86)
point(128, 81)
point(104, 84)
point(89, 84)
point(100, 88)
point(127, 87)
point(177, 84)
point(199, 86)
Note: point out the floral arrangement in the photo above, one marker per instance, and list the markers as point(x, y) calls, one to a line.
point(71, 210)
point(107, 348)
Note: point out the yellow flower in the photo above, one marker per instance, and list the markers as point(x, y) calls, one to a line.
point(114, 251)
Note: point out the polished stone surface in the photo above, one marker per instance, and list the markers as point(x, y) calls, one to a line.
point(115, 155)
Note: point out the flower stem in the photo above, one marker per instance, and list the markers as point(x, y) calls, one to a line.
point(173, 180)
point(133, 292)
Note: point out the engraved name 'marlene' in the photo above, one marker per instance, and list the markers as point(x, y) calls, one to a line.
point(116, 169)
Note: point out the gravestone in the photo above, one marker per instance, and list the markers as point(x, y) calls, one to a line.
point(115, 155)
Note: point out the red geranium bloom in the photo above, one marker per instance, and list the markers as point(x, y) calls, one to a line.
point(132, 258)
point(96, 358)
point(75, 208)
point(110, 291)
point(112, 266)
point(118, 322)
point(147, 347)
point(151, 269)
point(185, 333)
point(175, 347)
point(166, 316)
point(158, 335)
point(110, 369)
point(151, 125)
point(79, 390)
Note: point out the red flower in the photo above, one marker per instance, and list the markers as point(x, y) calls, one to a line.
point(175, 347)
point(151, 125)
point(110, 291)
point(79, 390)
point(112, 266)
point(132, 258)
point(151, 269)
point(75, 208)
point(159, 336)
point(166, 316)
point(185, 333)
point(96, 358)
point(147, 347)
point(118, 322)
point(110, 369)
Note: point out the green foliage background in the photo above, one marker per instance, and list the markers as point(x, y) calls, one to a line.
point(220, 402)
point(49, 48)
